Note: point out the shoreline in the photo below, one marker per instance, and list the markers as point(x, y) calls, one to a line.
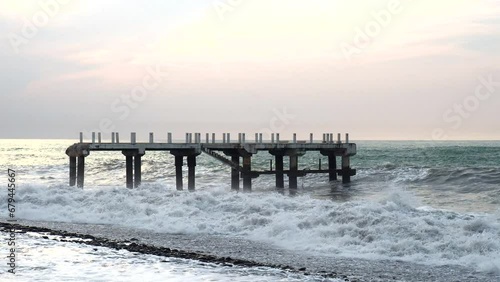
point(132, 246)
point(231, 250)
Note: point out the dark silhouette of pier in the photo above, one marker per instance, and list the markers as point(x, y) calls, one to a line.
point(226, 151)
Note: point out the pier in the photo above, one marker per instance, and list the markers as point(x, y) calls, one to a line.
point(236, 154)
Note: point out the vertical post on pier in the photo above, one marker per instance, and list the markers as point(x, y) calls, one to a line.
point(80, 172)
point(277, 138)
point(346, 169)
point(169, 137)
point(339, 139)
point(207, 138)
point(260, 137)
point(137, 170)
point(132, 138)
point(235, 174)
point(239, 137)
point(347, 138)
point(247, 177)
point(228, 136)
point(243, 138)
point(191, 161)
point(129, 170)
point(151, 137)
point(117, 137)
point(223, 137)
point(81, 137)
point(213, 137)
point(112, 137)
point(331, 138)
point(178, 172)
point(311, 138)
point(99, 137)
point(256, 137)
point(93, 137)
point(72, 171)
point(280, 182)
point(272, 138)
point(295, 138)
point(332, 167)
point(292, 175)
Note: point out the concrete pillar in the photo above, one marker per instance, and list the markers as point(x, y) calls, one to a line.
point(277, 138)
point(117, 136)
point(178, 171)
point(235, 174)
point(72, 171)
point(213, 137)
point(311, 138)
point(247, 178)
point(223, 137)
point(339, 139)
point(129, 171)
point(256, 137)
point(324, 137)
point(169, 137)
point(292, 176)
point(228, 136)
point(137, 170)
point(332, 167)
point(295, 138)
point(331, 138)
point(99, 137)
point(112, 137)
point(272, 138)
point(93, 137)
point(243, 138)
point(191, 161)
point(239, 137)
point(207, 138)
point(280, 182)
point(151, 137)
point(132, 138)
point(80, 172)
point(346, 169)
point(260, 137)
point(81, 137)
point(347, 138)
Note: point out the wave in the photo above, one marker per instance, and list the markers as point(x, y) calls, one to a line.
point(393, 227)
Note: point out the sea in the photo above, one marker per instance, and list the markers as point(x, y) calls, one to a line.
point(414, 208)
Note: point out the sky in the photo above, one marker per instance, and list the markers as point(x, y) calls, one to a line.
point(378, 69)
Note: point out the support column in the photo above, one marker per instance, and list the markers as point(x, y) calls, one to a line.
point(80, 171)
point(178, 172)
point(292, 175)
point(235, 174)
point(72, 171)
point(247, 178)
point(191, 161)
point(332, 167)
point(137, 170)
point(129, 159)
point(346, 169)
point(280, 183)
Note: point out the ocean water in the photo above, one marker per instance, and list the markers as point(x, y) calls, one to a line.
point(429, 203)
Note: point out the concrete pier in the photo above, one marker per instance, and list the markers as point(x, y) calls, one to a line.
point(244, 149)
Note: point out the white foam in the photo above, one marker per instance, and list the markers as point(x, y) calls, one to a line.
point(386, 228)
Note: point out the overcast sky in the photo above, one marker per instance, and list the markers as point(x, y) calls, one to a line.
point(383, 69)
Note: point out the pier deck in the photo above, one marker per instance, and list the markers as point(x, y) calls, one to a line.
point(226, 151)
